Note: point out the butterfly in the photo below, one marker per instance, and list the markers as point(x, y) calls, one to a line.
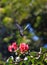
point(20, 29)
point(28, 26)
point(31, 30)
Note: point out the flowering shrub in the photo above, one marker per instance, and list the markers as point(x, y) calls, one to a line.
point(23, 55)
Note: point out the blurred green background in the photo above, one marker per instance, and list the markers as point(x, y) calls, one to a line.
point(24, 12)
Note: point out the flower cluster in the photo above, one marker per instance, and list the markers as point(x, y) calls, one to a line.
point(12, 47)
point(23, 47)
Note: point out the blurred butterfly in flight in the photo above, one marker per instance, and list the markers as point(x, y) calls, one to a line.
point(31, 30)
point(19, 28)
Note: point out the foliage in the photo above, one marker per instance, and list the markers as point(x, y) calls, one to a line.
point(34, 58)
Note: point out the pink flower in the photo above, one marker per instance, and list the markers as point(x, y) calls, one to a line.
point(10, 48)
point(14, 46)
point(24, 47)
